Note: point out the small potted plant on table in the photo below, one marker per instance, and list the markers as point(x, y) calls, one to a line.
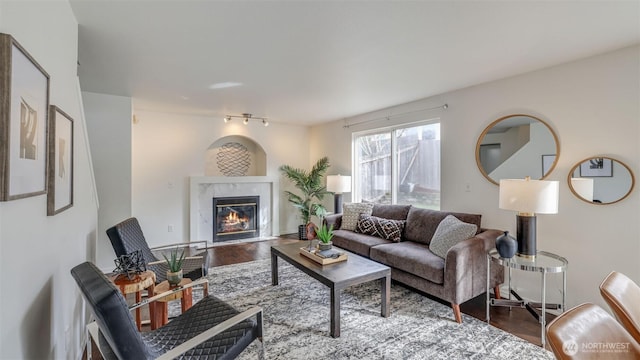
point(174, 261)
point(325, 235)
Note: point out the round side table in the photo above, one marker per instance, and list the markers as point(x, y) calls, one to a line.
point(160, 313)
point(145, 280)
point(544, 263)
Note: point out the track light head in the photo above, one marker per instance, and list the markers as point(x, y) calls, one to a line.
point(245, 118)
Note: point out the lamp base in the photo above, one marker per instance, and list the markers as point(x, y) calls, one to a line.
point(526, 235)
point(337, 203)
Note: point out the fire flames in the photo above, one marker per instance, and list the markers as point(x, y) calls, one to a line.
point(234, 222)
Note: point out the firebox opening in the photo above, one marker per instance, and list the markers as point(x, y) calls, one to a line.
point(235, 218)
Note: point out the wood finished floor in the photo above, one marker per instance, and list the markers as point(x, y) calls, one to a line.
point(515, 321)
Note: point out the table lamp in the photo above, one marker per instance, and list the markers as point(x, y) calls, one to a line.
point(338, 184)
point(528, 197)
point(583, 187)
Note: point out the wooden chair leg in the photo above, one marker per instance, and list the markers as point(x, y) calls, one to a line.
point(496, 291)
point(456, 313)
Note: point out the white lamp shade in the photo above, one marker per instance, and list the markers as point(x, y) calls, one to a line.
point(583, 187)
point(339, 184)
point(529, 196)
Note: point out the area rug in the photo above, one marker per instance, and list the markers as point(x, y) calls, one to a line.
point(296, 320)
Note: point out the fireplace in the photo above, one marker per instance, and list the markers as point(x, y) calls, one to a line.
point(235, 218)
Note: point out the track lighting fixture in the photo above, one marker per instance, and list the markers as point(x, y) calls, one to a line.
point(246, 117)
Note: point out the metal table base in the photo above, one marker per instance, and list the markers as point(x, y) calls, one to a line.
point(545, 263)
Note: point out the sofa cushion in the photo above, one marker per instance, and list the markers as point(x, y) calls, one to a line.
point(357, 243)
point(450, 231)
point(385, 228)
point(351, 214)
point(393, 212)
point(411, 257)
point(422, 223)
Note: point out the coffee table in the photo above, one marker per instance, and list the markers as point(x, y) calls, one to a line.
point(337, 276)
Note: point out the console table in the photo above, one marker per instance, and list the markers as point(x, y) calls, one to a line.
point(544, 263)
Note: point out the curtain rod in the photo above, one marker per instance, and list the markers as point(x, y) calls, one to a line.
point(346, 125)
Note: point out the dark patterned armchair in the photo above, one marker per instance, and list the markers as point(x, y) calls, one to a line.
point(127, 237)
point(211, 329)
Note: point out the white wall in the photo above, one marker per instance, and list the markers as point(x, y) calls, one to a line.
point(41, 311)
point(109, 127)
point(593, 105)
point(169, 148)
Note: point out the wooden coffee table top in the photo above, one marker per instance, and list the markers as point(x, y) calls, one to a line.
point(355, 270)
point(337, 276)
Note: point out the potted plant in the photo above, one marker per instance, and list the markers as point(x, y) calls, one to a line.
point(312, 191)
point(174, 261)
point(325, 235)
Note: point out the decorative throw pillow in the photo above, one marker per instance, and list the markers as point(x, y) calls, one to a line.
point(450, 231)
point(383, 228)
point(351, 213)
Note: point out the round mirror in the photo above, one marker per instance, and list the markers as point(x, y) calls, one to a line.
point(601, 180)
point(517, 146)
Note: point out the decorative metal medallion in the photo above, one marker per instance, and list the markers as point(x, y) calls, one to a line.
point(233, 159)
point(130, 264)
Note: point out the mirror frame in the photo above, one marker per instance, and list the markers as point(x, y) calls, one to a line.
point(575, 167)
point(486, 130)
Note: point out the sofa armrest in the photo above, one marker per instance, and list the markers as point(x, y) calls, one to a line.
point(333, 219)
point(465, 268)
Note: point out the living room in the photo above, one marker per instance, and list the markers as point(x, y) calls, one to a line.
point(142, 167)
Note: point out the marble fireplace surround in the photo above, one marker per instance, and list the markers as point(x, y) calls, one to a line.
point(202, 189)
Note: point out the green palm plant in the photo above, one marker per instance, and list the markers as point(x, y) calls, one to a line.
point(311, 188)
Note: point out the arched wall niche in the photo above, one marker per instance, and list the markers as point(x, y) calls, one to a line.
point(235, 155)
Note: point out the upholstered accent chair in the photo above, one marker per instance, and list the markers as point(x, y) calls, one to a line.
point(211, 329)
point(127, 237)
point(623, 297)
point(573, 333)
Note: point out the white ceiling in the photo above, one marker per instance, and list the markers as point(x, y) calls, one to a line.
point(308, 62)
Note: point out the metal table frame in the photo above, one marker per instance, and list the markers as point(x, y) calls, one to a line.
point(545, 263)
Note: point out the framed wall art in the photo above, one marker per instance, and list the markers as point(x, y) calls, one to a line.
point(60, 167)
point(24, 102)
point(547, 163)
point(596, 167)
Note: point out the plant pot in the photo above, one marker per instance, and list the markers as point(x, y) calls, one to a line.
point(325, 246)
point(302, 232)
point(174, 278)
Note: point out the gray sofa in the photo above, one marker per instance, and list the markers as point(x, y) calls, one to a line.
point(459, 277)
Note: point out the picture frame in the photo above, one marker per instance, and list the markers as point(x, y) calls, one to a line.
point(596, 167)
point(24, 108)
point(60, 165)
point(547, 163)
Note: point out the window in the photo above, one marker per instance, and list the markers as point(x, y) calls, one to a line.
point(398, 166)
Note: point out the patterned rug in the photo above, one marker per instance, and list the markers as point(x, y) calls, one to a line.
point(296, 320)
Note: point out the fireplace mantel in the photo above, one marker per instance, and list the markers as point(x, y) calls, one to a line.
point(203, 188)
